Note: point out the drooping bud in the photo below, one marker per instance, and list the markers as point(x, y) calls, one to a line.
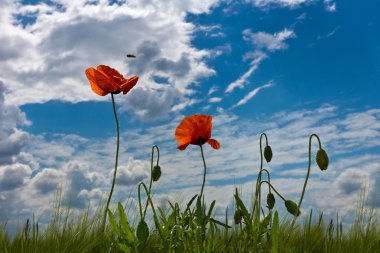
point(142, 231)
point(270, 201)
point(268, 153)
point(156, 173)
point(322, 159)
point(238, 216)
point(292, 208)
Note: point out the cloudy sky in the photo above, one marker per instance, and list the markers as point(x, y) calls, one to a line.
point(289, 68)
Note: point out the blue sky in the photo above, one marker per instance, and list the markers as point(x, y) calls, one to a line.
point(288, 68)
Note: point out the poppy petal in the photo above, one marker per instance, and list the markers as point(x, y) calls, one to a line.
point(91, 74)
point(109, 79)
point(129, 84)
point(183, 146)
point(214, 143)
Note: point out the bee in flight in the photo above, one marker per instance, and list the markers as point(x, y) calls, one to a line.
point(131, 56)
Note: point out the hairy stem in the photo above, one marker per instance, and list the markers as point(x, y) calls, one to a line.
point(116, 161)
point(204, 172)
point(308, 167)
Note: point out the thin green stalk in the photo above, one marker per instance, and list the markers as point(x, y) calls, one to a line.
point(204, 172)
point(151, 172)
point(116, 161)
point(308, 167)
point(274, 189)
point(155, 217)
point(257, 202)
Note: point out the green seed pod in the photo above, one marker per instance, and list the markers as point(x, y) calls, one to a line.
point(238, 216)
point(292, 208)
point(322, 159)
point(270, 201)
point(142, 231)
point(156, 173)
point(268, 153)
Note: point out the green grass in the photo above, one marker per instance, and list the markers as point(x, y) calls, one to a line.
point(84, 233)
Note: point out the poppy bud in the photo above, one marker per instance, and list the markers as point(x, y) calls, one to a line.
point(270, 200)
point(322, 159)
point(268, 153)
point(156, 173)
point(292, 208)
point(142, 231)
point(238, 216)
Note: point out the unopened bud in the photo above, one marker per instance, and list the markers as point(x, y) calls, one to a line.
point(142, 231)
point(270, 201)
point(292, 208)
point(156, 173)
point(268, 153)
point(322, 159)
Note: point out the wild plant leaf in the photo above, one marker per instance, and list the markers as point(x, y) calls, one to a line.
point(275, 234)
point(162, 215)
point(219, 223)
point(124, 248)
point(124, 224)
point(191, 201)
point(264, 224)
point(210, 210)
point(244, 210)
point(113, 223)
point(199, 211)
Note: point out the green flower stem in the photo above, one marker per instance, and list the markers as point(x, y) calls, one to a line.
point(258, 192)
point(268, 176)
point(152, 206)
point(274, 189)
point(204, 172)
point(151, 169)
point(116, 161)
point(308, 167)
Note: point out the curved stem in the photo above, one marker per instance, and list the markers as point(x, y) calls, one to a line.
point(268, 176)
point(204, 172)
point(257, 192)
point(116, 161)
point(308, 167)
point(152, 206)
point(274, 189)
point(151, 170)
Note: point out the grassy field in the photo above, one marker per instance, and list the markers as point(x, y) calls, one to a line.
point(193, 227)
point(181, 232)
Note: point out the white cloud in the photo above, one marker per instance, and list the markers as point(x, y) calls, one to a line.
point(12, 139)
point(330, 5)
point(267, 41)
point(85, 167)
point(46, 59)
point(253, 93)
point(215, 99)
point(258, 57)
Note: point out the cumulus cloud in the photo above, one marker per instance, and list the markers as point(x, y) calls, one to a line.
point(14, 176)
point(48, 180)
point(133, 172)
point(46, 58)
point(12, 139)
point(351, 181)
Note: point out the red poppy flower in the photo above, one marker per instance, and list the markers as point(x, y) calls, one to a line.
point(195, 130)
point(104, 80)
